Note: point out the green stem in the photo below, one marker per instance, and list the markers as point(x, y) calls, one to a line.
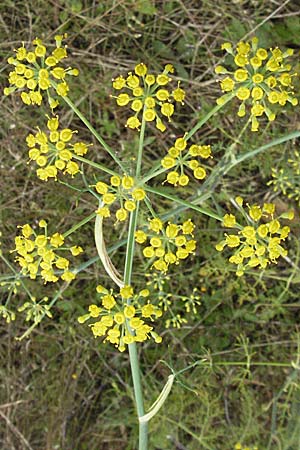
point(96, 165)
point(94, 132)
point(79, 224)
point(141, 146)
point(251, 153)
point(133, 356)
point(137, 386)
point(134, 361)
point(154, 174)
point(183, 202)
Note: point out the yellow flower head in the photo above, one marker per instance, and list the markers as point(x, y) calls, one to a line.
point(260, 80)
point(53, 150)
point(257, 245)
point(120, 318)
point(167, 244)
point(148, 96)
point(122, 190)
point(181, 159)
point(39, 254)
point(35, 73)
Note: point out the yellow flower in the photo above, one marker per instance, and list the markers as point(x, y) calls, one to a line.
point(180, 144)
point(126, 292)
point(108, 198)
point(144, 100)
point(119, 83)
point(76, 250)
point(57, 240)
point(129, 205)
point(178, 94)
point(241, 75)
point(122, 323)
point(123, 99)
point(167, 162)
point(165, 238)
point(56, 151)
point(229, 220)
point(200, 173)
point(255, 212)
point(38, 251)
point(155, 225)
point(177, 159)
point(257, 93)
point(243, 93)
point(257, 66)
point(103, 211)
point(162, 79)
point(35, 74)
point(133, 123)
point(141, 69)
point(138, 194)
point(101, 187)
point(167, 109)
point(257, 245)
point(108, 301)
point(232, 241)
point(140, 236)
point(227, 84)
point(149, 115)
point(115, 181)
point(121, 214)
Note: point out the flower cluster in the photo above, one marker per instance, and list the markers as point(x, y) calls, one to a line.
point(146, 93)
point(36, 310)
point(257, 244)
point(179, 158)
point(286, 177)
point(38, 251)
point(168, 244)
point(36, 73)
point(122, 190)
point(53, 151)
point(8, 315)
point(121, 317)
point(262, 80)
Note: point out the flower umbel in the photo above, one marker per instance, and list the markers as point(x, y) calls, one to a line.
point(180, 158)
point(168, 244)
point(37, 254)
point(257, 244)
point(147, 94)
point(122, 317)
point(53, 151)
point(285, 178)
point(36, 310)
point(262, 81)
point(121, 190)
point(35, 73)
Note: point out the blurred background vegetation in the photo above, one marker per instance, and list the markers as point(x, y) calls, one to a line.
point(60, 389)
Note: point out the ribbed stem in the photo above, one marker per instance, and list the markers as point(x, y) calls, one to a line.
point(134, 361)
point(133, 355)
